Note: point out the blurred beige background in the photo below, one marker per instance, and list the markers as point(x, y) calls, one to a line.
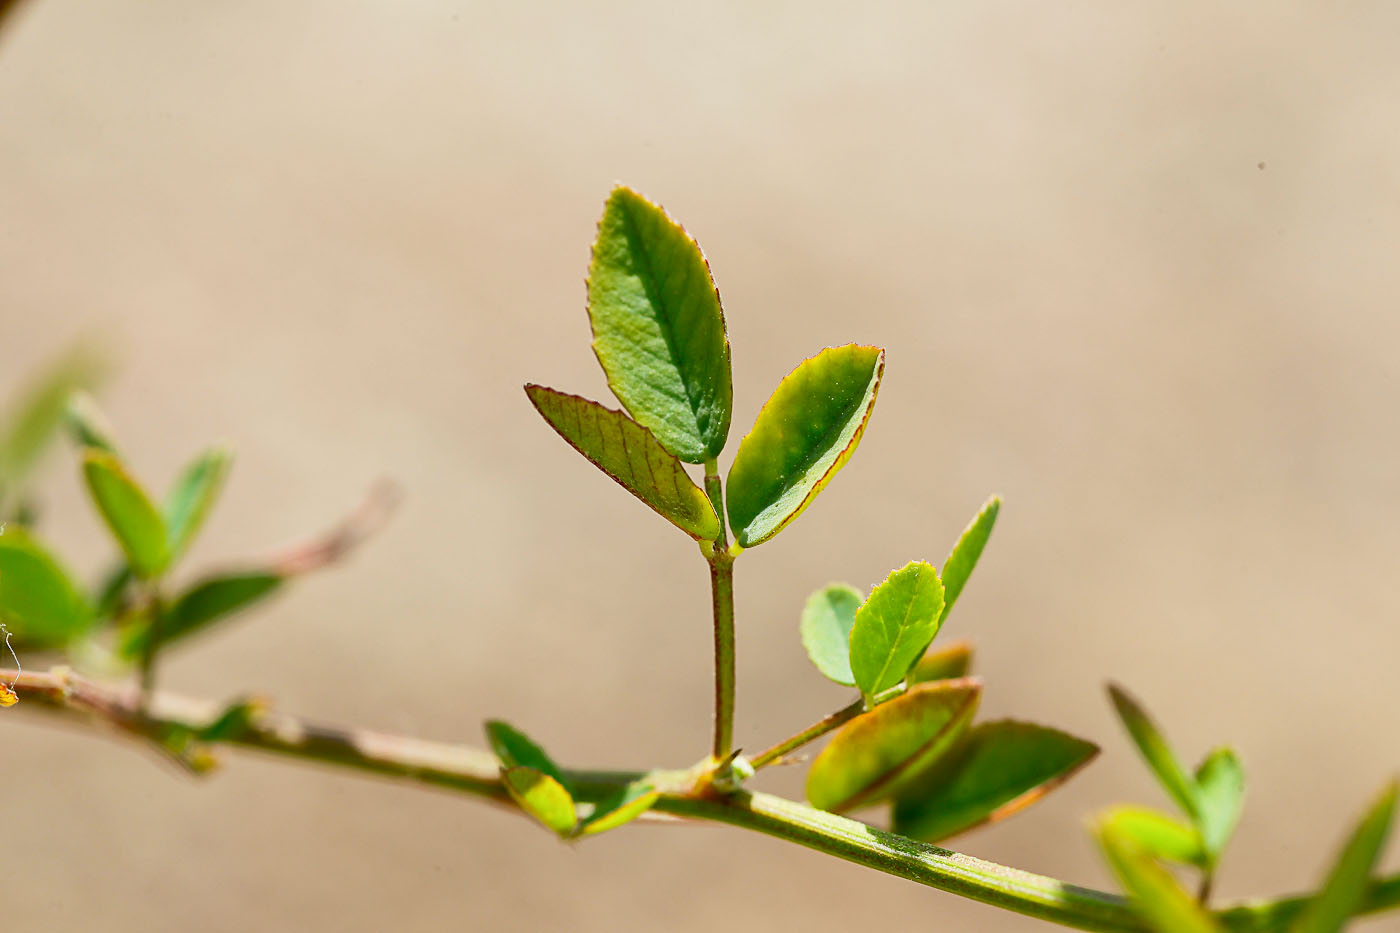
point(1136, 269)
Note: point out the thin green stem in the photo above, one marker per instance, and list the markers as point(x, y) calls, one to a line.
point(811, 733)
point(477, 773)
point(722, 599)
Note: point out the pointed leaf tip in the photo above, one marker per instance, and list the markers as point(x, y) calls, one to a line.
point(804, 435)
point(627, 452)
point(965, 554)
point(658, 327)
point(894, 627)
point(1156, 751)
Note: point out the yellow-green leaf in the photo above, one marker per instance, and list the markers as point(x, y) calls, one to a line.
point(542, 797)
point(997, 769)
point(826, 630)
point(128, 512)
point(805, 433)
point(947, 662)
point(658, 328)
point(38, 598)
point(894, 627)
point(1161, 835)
point(628, 452)
point(1341, 894)
point(515, 748)
point(1156, 895)
point(623, 807)
point(958, 567)
point(1220, 795)
point(1156, 752)
point(878, 751)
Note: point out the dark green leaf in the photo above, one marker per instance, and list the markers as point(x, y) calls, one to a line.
point(39, 413)
point(826, 630)
point(623, 807)
point(515, 748)
point(128, 511)
point(951, 661)
point(38, 599)
point(628, 452)
point(194, 495)
point(542, 797)
point(110, 597)
point(876, 753)
point(894, 627)
point(1329, 911)
point(1160, 835)
point(1220, 793)
point(1156, 895)
point(998, 769)
point(235, 721)
point(1156, 752)
point(958, 567)
point(87, 424)
point(202, 604)
point(658, 328)
point(805, 433)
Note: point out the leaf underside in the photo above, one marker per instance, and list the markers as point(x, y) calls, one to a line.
point(802, 437)
point(628, 453)
point(658, 327)
point(826, 630)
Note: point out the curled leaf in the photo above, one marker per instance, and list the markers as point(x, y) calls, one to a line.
point(804, 434)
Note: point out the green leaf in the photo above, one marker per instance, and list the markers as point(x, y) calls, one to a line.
point(1329, 911)
point(1160, 835)
point(628, 452)
point(202, 604)
point(111, 595)
point(87, 424)
point(39, 413)
point(622, 807)
point(542, 797)
point(194, 495)
point(951, 661)
point(514, 748)
point(658, 329)
point(998, 769)
point(39, 600)
point(958, 567)
point(128, 511)
point(1156, 752)
point(826, 630)
point(894, 627)
point(805, 433)
point(1156, 895)
point(1220, 793)
point(877, 752)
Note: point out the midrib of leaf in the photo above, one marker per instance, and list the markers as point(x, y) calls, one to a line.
point(898, 639)
point(826, 442)
point(667, 326)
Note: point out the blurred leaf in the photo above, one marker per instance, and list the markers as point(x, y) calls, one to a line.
point(38, 598)
point(1155, 750)
point(949, 662)
point(628, 452)
point(1160, 835)
point(87, 424)
point(826, 630)
point(31, 424)
point(542, 797)
point(623, 807)
point(1341, 895)
point(202, 604)
point(895, 626)
point(804, 434)
point(515, 748)
point(235, 721)
point(194, 495)
point(998, 769)
point(958, 567)
point(1220, 793)
point(873, 755)
point(658, 329)
point(128, 511)
point(110, 598)
point(1156, 895)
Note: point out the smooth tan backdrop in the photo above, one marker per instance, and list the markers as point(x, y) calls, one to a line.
point(1135, 266)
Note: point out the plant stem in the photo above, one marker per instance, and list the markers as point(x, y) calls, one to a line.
point(722, 599)
point(477, 773)
point(811, 733)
